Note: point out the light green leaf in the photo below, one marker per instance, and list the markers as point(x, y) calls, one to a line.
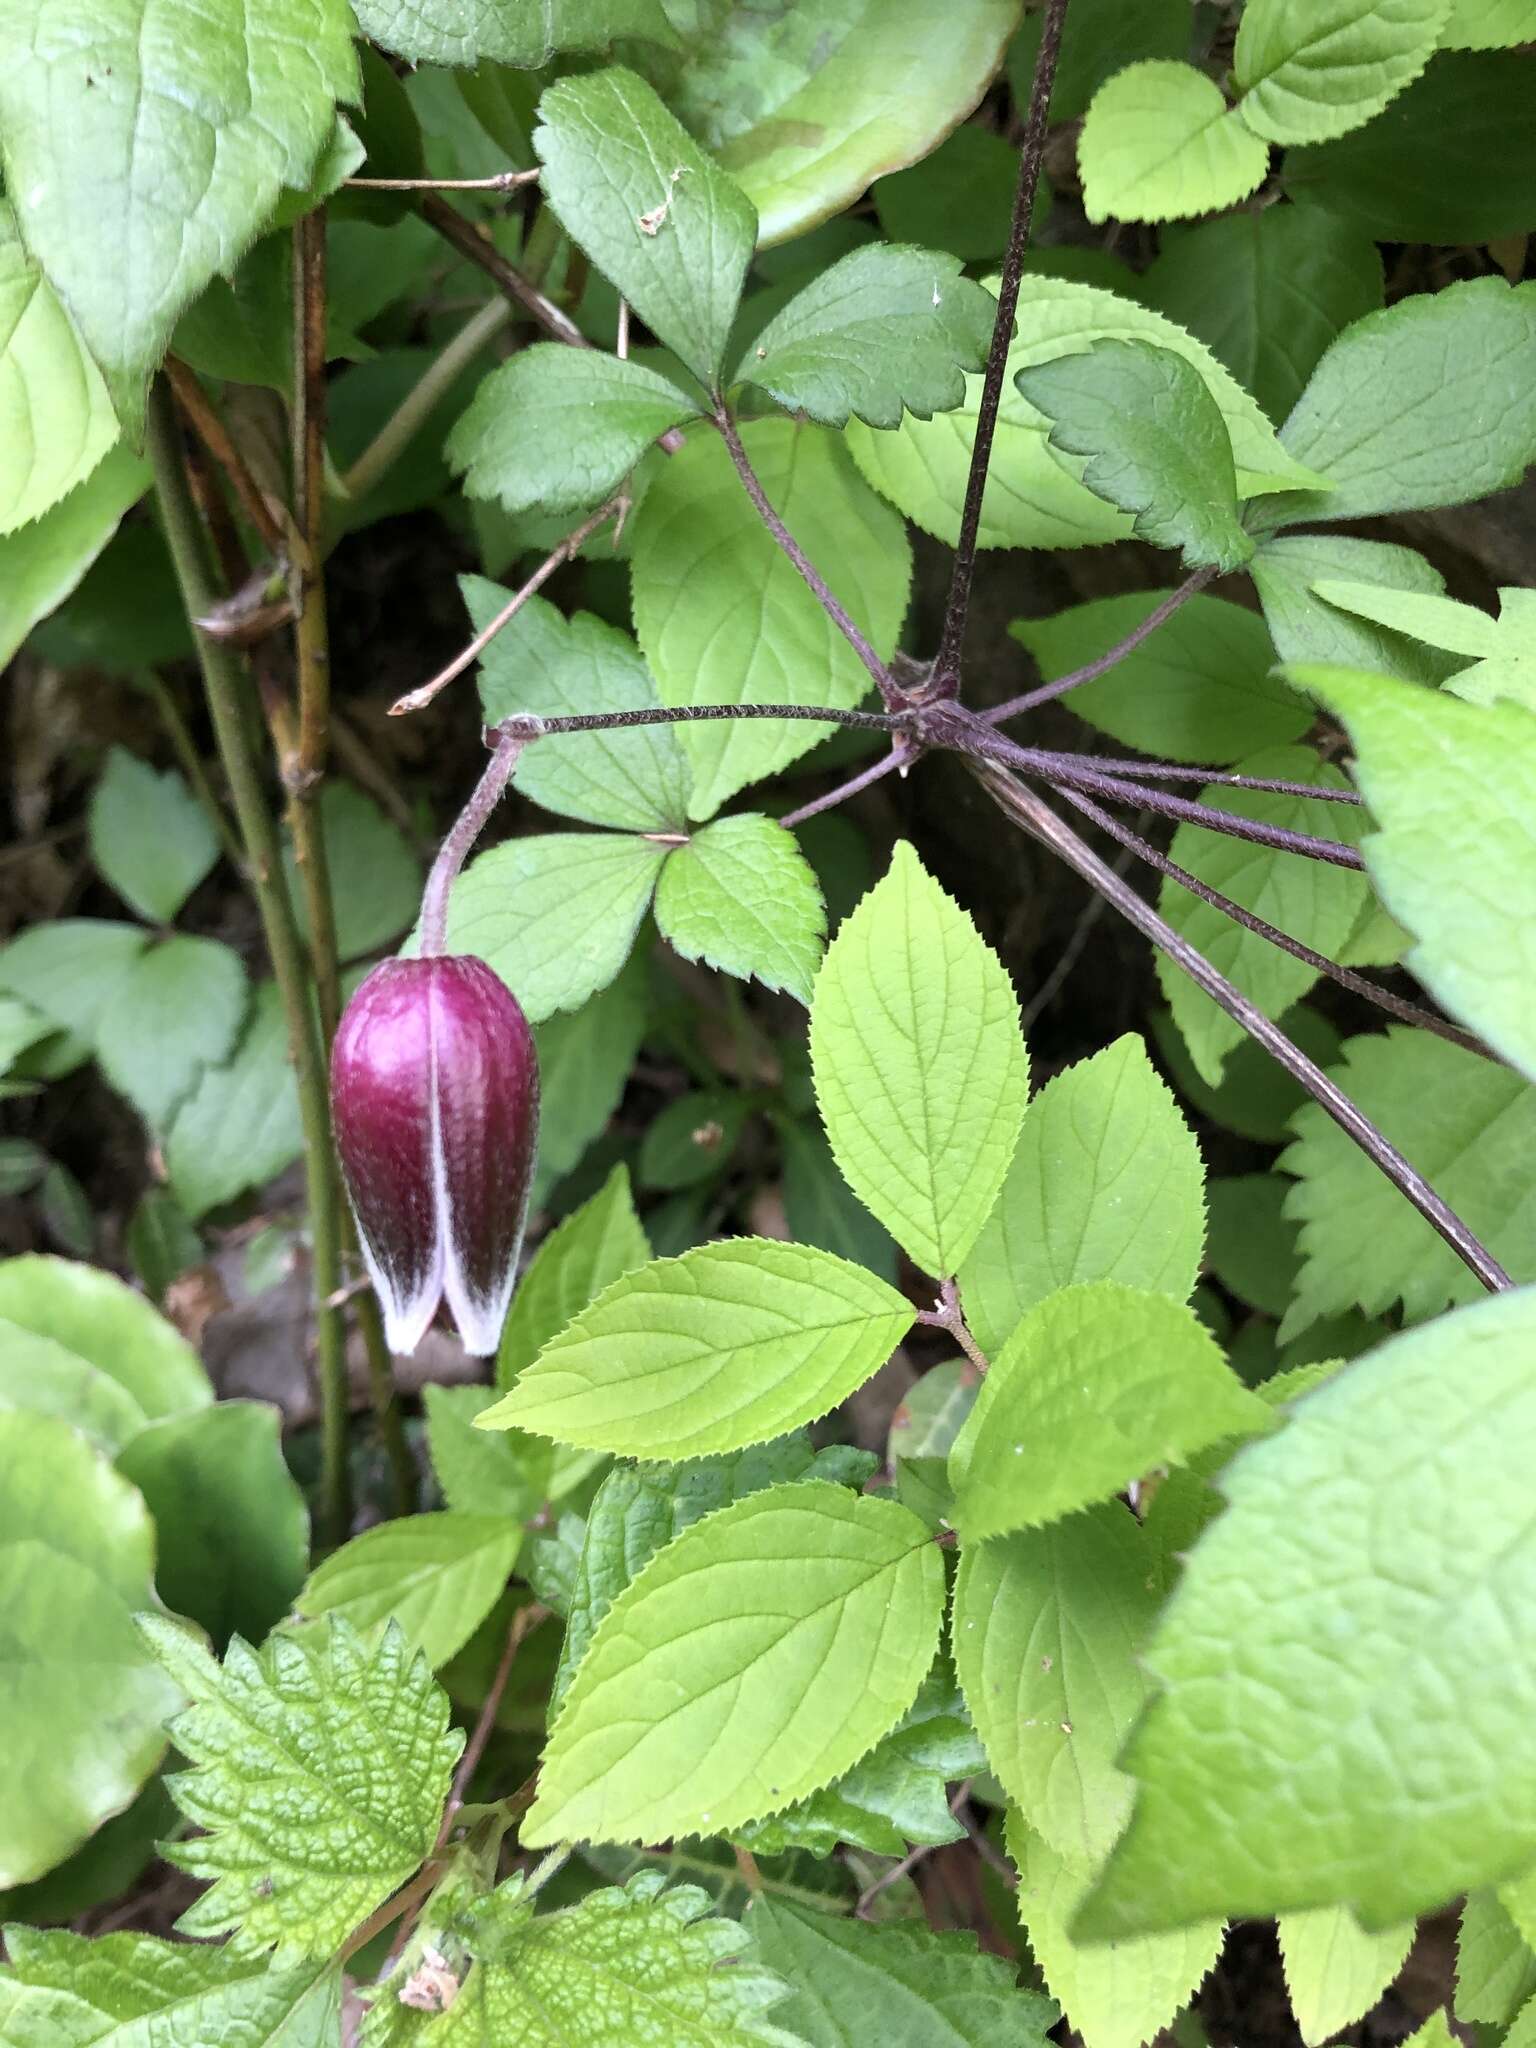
point(888, 328)
point(231, 1524)
point(1506, 668)
point(555, 916)
point(591, 1247)
point(1096, 1386)
point(806, 1664)
point(98, 1319)
point(240, 1125)
point(176, 1013)
point(149, 835)
point(483, 1472)
point(42, 563)
point(721, 613)
point(56, 419)
point(560, 428)
point(82, 1706)
point(1047, 1629)
point(1495, 1966)
point(657, 216)
point(729, 1345)
point(375, 876)
point(920, 1072)
point(132, 189)
point(1421, 1788)
point(1030, 501)
point(546, 663)
point(463, 33)
point(1435, 2033)
point(1468, 1125)
point(1310, 69)
point(1286, 571)
point(741, 896)
point(319, 1770)
point(1489, 24)
point(436, 1577)
point(1160, 143)
point(1334, 1970)
point(1121, 1993)
point(40, 1374)
point(1106, 1184)
point(1452, 790)
point(1432, 402)
point(1314, 901)
point(852, 1984)
point(1153, 441)
point(584, 1063)
point(1100, 37)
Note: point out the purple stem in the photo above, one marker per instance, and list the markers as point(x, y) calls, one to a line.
point(1106, 661)
point(466, 829)
point(898, 757)
point(1169, 771)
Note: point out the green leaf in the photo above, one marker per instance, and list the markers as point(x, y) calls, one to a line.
point(176, 1013)
point(584, 1063)
point(1495, 1966)
point(160, 1242)
point(694, 1138)
point(1432, 402)
point(852, 1984)
point(482, 1472)
point(1452, 790)
point(131, 190)
point(42, 563)
point(560, 428)
point(82, 1713)
point(1488, 24)
point(1047, 1628)
point(1286, 571)
point(959, 199)
point(721, 613)
point(1408, 1801)
point(1106, 1184)
point(729, 1345)
point(231, 1525)
point(121, 1990)
point(657, 216)
point(1314, 901)
point(319, 1770)
point(741, 896)
point(46, 1377)
point(1334, 1971)
point(1160, 143)
point(1030, 500)
point(1200, 689)
point(1252, 1249)
point(375, 876)
point(1096, 1386)
point(150, 837)
point(822, 1209)
point(1100, 38)
point(555, 916)
point(240, 1125)
point(1467, 1123)
point(807, 1664)
point(885, 329)
point(921, 1074)
point(1267, 292)
point(1122, 1993)
point(593, 1246)
point(102, 1322)
point(1311, 69)
point(56, 419)
point(465, 33)
point(1435, 2033)
point(1506, 667)
point(435, 1577)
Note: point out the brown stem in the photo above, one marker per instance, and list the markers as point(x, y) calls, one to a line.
point(1177, 771)
point(1121, 789)
point(205, 422)
point(1102, 663)
point(503, 181)
point(946, 1315)
point(475, 244)
point(524, 1622)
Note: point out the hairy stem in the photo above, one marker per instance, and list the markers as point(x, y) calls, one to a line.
point(901, 756)
point(1111, 656)
point(533, 727)
point(1031, 154)
point(1174, 771)
point(473, 242)
point(466, 829)
point(439, 377)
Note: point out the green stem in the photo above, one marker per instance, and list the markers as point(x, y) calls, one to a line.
point(224, 685)
point(191, 764)
point(403, 425)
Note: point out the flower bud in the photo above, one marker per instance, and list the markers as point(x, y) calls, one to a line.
point(435, 1106)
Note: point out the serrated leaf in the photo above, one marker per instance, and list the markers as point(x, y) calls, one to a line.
point(1160, 143)
point(1105, 1184)
point(657, 216)
point(1151, 440)
point(133, 191)
point(1096, 1386)
point(464, 33)
point(921, 1074)
point(1421, 1788)
point(374, 874)
point(319, 1770)
point(722, 614)
point(1452, 790)
point(103, 1322)
point(729, 1345)
point(56, 418)
point(483, 1472)
point(852, 1983)
point(1047, 1628)
point(555, 916)
point(1334, 1971)
point(1435, 2033)
point(741, 896)
point(240, 1125)
point(1121, 1993)
point(887, 329)
point(1311, 69)
point(822, 1209)
point(1467, 1123)
point(150, 837)
point(807, 1665)
point(1495, 1966)
point(177, 1012)
point(1286, 570)
point(560, 428)
point(434, 1577)
point(594, 1245)
point(1502, 664)
point(1488, 24)
point(41, 564)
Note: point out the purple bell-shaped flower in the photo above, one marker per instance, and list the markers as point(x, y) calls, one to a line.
point(435, 1105)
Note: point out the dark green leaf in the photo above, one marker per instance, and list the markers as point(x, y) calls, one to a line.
point(463, 32)
point(959, 198)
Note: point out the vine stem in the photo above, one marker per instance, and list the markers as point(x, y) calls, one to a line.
point(524, 1622)
point(901, 756)
point(472, 242)
point(466, 829)
point(1036, 817)
point(222, 683)
point(946, 1315)
point(1102, 663)
point(502, 181)
point(1178, 771)
point(216, 438)
point(1031, 155)
point(439, 377)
